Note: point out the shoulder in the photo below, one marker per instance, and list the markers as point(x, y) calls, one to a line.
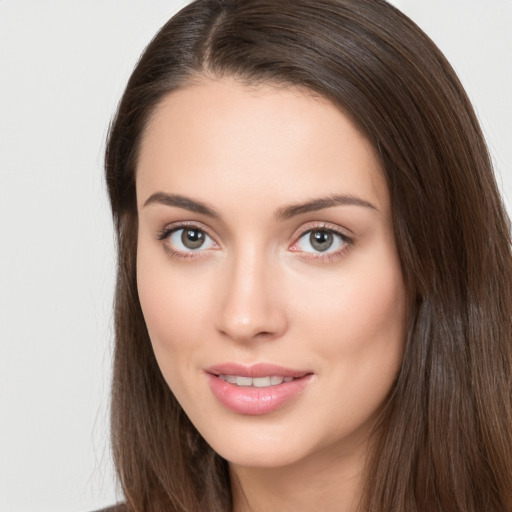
point(120, 507)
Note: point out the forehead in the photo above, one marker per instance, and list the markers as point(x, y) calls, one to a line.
point(227, 138)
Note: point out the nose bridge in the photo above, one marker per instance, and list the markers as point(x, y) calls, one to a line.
point(250, 307)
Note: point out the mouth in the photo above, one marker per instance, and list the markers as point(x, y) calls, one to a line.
point(256, 389)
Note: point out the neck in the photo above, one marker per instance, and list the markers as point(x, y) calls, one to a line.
point(325, 481)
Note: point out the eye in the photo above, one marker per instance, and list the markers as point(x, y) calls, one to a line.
point(321, 241)
point(189, 239)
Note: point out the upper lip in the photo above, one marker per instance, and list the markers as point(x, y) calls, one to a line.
point(255, 370)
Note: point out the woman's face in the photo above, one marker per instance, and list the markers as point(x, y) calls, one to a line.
point(267, 270)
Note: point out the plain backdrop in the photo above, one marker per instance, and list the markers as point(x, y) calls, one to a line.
point(63, 67)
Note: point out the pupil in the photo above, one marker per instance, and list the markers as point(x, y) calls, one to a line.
point(192, 238)
point(321, 240)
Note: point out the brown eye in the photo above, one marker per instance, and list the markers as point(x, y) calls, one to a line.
point(321, 240)
point(192, 238)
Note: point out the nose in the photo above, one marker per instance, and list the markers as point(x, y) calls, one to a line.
point(250, 304)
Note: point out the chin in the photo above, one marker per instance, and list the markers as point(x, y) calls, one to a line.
point(260, 444)
point(260, 456)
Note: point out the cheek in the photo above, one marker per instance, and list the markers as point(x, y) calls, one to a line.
point(172, 310)
point(359, 341)
point(172, 306)
point(359, 317)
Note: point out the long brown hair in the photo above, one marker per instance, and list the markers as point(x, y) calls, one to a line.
point(445, 438)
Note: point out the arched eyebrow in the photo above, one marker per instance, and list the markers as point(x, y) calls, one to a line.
point(180, 201)
point(281, 214)
point(320, 203)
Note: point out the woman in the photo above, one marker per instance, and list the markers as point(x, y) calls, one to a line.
point(313, 296)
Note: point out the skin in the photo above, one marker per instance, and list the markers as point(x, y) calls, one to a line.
point(258, 291)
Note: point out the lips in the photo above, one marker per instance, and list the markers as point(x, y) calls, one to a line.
point(256, 389)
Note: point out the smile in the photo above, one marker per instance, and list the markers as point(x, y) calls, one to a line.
point(257, 389)
point(257, 382)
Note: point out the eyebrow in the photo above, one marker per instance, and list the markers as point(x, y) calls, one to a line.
point(284, 213)
point(181, 202)
point(321, 203)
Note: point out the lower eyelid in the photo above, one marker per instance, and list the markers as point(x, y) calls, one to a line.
point(326, 257)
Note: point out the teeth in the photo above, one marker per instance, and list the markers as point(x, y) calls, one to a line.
point(261, 382)
point(257, 382)
point(243, 381)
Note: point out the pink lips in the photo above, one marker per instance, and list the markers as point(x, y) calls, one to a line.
point(256, 400)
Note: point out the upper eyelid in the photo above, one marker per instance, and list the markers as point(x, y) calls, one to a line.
point(326, 226)
point(176, 226)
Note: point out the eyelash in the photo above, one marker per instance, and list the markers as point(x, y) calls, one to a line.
point(327, 257)
point(346, 240)
point(165, 233)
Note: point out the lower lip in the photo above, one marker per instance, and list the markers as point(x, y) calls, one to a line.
point(255, 401)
